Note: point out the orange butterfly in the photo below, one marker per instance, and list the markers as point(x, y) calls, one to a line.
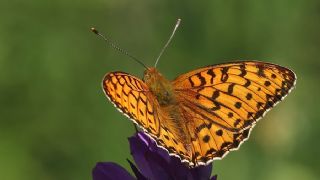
point(205, 113)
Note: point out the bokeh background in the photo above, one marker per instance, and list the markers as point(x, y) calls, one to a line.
point(55, 122)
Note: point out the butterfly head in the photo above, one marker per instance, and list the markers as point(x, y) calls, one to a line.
point(158, 85)
point(152, 76)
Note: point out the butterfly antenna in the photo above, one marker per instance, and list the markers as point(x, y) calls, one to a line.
point(94, 30)
point(168, 42)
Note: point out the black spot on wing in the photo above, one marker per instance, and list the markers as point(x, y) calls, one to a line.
point(243, 70)
point(224, 75)
point(236, 122)
point(238, 105)
point(247, 84)
point(226, 145)
point(211, 73)
point(219, 132)
point(202, 79)
point(202, 126)
point(206, 138)
point(215, 95)
point(191, 82)
point(260, 70)
point(249, 96)
point(230, 88)
point(267, 83)
point(210, 151)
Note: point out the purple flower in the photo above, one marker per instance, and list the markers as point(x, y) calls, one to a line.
point(152, 162)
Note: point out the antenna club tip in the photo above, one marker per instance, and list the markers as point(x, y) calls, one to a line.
point(178, 22)
point(94, 30)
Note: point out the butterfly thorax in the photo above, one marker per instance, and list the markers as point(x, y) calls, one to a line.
point(162, 89)
point(159, 86)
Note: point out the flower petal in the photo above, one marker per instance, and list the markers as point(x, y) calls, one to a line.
point(151, 164)
point(110, 171)
point(136, 171)
point(202, 172)
point(138, 149)
point(152, 145)
point(214, 177)
point(155, 163)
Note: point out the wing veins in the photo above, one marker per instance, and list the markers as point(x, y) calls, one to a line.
point(212, 113)
point(255, 85)
point(232, 65)
point(222, 104)
point(266, 77)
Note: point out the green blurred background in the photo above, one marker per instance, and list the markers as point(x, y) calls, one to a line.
point(56, 122)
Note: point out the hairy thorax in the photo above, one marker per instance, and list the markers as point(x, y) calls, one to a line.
point(163, 90)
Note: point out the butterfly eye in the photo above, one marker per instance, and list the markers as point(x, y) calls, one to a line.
point(146, 76)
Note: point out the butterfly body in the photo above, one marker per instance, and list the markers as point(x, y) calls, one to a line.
point(205, 113)
point(163, 90)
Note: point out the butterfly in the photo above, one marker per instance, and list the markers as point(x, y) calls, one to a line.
point(203, 114)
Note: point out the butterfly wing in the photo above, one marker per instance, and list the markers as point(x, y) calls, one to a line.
point(209, 141)
point(132, 97)
point(226, 100)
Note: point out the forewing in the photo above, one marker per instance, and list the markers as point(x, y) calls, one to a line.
point(132, 97)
